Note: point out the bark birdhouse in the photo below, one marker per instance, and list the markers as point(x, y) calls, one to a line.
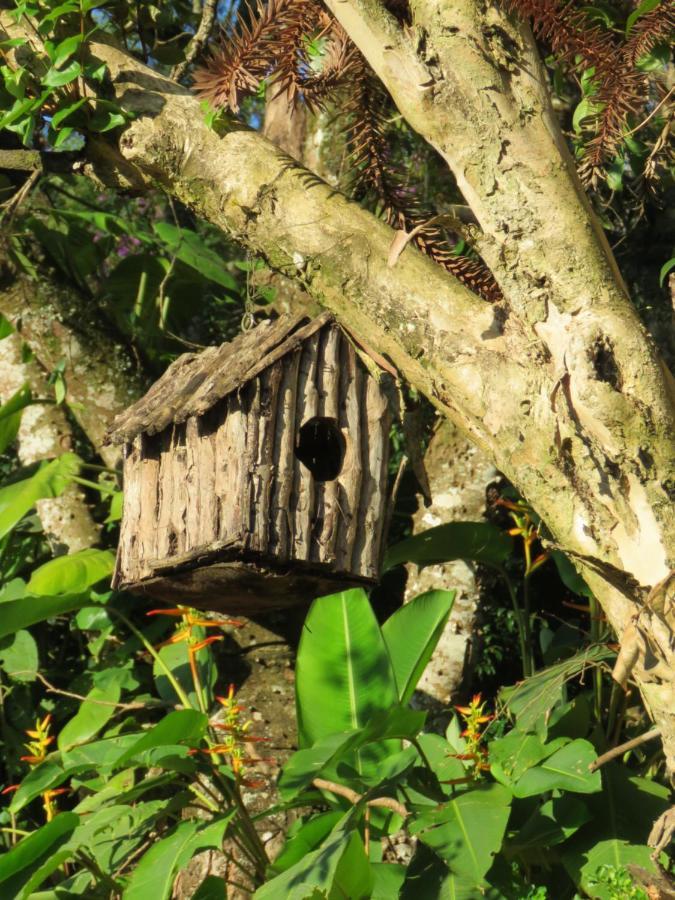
point(255, 472)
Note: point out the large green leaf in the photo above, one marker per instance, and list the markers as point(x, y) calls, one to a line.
point(478, 542)
point(513, 755)
point(20, 863)
point(92, 715)
point(98, 756)
point(305, 765)
point(155, 874)
point(314, 874)
point(623, 815)
point(428, 876)
point(10, 416)
point(303, 837)
point(343, 673)
point(411, 635)
point(388, 880)
point(177, 726)
point(72, 574)
point(566, 770)
point(189, 247)
point(551, 823)
point(50, 480)
point(17, 614)
point(19, 656)
point(531, 700)
point(467, 830)
point(584, 868)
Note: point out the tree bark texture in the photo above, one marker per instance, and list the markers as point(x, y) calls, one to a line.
point(458, 477)
point(43, 434)
point(59, 324)
point(558, 382)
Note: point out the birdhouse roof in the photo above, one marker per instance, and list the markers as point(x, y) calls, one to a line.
point(196, 381)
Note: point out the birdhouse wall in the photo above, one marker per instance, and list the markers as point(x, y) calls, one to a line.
point(227, 485)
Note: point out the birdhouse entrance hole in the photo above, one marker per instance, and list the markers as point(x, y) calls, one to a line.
point(320, 447)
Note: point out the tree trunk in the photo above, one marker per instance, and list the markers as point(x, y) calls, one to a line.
point(458, 476)
point(559, 382)
point(58, 324)
point(43, 434)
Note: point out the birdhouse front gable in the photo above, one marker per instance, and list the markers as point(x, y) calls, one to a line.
point(255, 472)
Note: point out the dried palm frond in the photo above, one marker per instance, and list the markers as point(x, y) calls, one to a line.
point(621, 87)
point(240, 61)
point(318, 79)
point(368, 110)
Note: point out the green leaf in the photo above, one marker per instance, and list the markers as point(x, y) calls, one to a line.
point(513, 755)
point(107, 116)
point(665, 269)
point(177, 726)
point(58, 77)
point(531, 700)
point(33, 849)
point(569, 575)
point(388, 880)
point(49, 774)
point(29, 610)
point(622, 816)
point(411, 635)
point(467, 830)
point(156, 872)
point(343, 672)
point(10, 416)
point(65, 49)
point(50, 480)
point(398, 722)
point(5, 327)
point(552, 823)
point(588, 108)
point(428, 876)
point(479, 542)
point(116, 504)
point(189, 247)
point(583, 869)
point(304, 838)
point(92, 715)
point(313, 876)
point(66, 111)
point(566, 770)
point(19, 656)
point(644, 7)
point(72, 574)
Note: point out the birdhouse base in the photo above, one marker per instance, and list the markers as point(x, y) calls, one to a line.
point(242, 588)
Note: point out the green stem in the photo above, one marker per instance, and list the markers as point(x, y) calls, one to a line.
point(597, 673)
point(180, 693)
point(522, 630)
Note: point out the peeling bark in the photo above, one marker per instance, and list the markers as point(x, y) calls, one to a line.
point(560, 382)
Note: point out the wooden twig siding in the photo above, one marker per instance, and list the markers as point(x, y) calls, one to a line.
point(218, 507)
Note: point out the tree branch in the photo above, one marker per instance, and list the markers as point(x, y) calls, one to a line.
point(620, 749)
point(201, 36)
point(353, 797)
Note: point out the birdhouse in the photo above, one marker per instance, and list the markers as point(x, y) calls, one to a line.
point(255, 472)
